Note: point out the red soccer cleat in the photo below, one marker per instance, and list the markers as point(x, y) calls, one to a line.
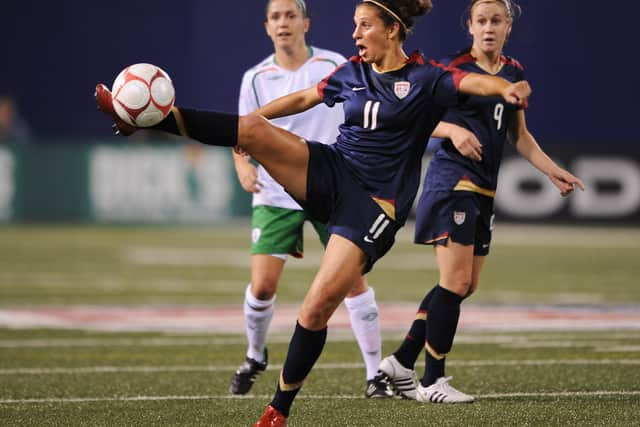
point(271, 418)
point(105, 104)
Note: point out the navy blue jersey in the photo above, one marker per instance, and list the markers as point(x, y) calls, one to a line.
point(489, 119)
point(388, 119)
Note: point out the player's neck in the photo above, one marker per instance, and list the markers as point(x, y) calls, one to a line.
point(392, 61)
point(490, 62)
point(292, 59)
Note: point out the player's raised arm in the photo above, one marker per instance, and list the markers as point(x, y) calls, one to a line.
point(484, 85)
point(294, 103)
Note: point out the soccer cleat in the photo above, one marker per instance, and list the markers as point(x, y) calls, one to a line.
point(441, 392)
point(245, 376)
point(403, 380)
point(105, 104)
point(271, 418)
point(378, 387)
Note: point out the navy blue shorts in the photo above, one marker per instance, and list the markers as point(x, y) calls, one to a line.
point(335, 198)
point(464, 217)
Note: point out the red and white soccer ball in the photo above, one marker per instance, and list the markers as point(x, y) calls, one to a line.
point(142, 95)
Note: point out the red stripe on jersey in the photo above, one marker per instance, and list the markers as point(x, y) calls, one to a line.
point(463, 59)
point(511, 61)
point(320, 87)
point(415, 57)
point(456, 73)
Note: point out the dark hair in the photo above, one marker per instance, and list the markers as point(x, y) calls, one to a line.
point(300, 3)
point(405, 10)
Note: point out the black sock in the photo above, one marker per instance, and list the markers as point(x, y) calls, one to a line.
point(441, 325)
point(208, 127)
point(304, 349)
point(413, 343)
point(434, 369)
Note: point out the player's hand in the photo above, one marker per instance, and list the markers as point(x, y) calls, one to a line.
point(248, 176)
point(518, 93)
point(240, 151)
point(466, 143)
point(565, 181)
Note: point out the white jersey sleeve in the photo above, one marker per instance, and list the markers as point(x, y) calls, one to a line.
point(266, 82)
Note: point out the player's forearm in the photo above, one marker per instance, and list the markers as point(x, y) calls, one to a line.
point(529, 149)
point(294, 103)
point(443, 130)
point(483, 85)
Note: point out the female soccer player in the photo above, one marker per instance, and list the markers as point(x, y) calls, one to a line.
point(455, 211)
point(362, 186)
point(277, 220)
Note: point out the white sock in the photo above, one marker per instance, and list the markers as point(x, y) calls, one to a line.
point(257, 316)
point(365, 323)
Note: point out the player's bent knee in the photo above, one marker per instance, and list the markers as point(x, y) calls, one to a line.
point(316, 315)
point(250, 127)
point(264, 294)
point(459, 287)
point(359, 287)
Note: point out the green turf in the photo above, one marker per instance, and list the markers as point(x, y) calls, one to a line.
point(129, 265)
point(197, 374)
point(152, 379)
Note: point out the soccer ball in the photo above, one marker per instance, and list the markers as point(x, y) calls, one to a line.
point(142, 95)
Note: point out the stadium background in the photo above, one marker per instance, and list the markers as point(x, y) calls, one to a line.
point(576, 55)
point(120, 324)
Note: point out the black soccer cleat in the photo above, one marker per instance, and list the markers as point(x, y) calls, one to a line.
point(246, 375)
point(379, 388)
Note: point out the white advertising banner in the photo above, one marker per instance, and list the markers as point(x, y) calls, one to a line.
point(185, 184)
point(7, 184)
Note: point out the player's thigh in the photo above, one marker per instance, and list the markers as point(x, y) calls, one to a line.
point(360, 286)
point(283, 154)
point(341, 266)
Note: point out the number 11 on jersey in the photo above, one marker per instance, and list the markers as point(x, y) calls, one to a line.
point(370, 120)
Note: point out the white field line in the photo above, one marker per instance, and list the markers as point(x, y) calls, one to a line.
point(274, 367)
point(569, 394)
point(529, 340)
point(150, 342)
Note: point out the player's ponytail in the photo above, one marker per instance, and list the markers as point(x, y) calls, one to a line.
point(401, 11)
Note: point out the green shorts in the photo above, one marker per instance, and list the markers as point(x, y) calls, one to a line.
point(279, 231)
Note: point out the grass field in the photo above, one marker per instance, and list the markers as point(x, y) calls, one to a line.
point(85, 376)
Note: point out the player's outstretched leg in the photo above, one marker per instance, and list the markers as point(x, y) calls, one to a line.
point(105, 104)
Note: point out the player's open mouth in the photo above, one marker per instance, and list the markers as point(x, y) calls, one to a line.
point(284, 34)
point(362, 50)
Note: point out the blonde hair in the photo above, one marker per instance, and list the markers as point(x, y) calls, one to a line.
point(300, 3)
point(513, 9)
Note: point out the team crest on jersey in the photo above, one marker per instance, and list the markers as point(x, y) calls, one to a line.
point(459, 217)
point(401, 89)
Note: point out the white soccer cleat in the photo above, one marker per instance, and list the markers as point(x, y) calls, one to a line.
point(441, 392)
point(403, 380)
